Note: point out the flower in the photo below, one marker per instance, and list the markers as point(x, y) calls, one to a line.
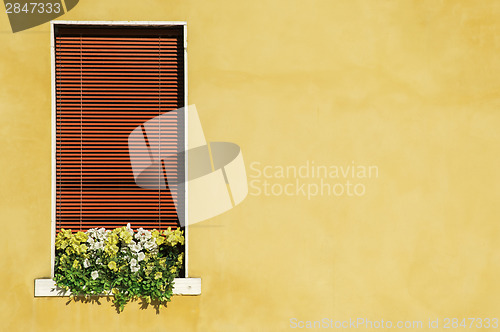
point(97, 245)
point(81, 236)
point(138, 258)
point(174, 237)
point(82, 248)
point(125, 234)
point(142, 234)
point(111, 250)
point(160, 240)
point(134, 247)
point(149, 269)
point(113, 239)
point(112, 266)
point(150, 245)
point(134, 265)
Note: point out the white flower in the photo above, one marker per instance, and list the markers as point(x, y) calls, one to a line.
point(134, 265)
point(135, 247)
point(98, 261)
point(94, 275)
point(141, 256)
point(86, 263)
point(97, 245)
point(142, 234)
point(150, 245)
point(102, 233)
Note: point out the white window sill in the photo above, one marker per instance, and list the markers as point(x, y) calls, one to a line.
point(183, 286)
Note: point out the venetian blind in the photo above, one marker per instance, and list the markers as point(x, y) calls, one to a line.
point(108, 81)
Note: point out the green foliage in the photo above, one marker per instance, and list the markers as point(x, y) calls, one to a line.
point(129, 265)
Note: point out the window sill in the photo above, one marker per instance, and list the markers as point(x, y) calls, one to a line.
point(183, 286)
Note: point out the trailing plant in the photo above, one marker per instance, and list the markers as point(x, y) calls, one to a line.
point(129, 265)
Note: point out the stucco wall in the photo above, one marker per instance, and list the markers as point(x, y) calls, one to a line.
point(412, 87)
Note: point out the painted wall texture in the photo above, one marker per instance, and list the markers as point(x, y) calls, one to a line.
point(411, 87)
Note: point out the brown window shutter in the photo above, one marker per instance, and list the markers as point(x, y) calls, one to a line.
point(110, 80)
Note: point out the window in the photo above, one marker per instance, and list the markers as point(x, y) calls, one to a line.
point(109, 80)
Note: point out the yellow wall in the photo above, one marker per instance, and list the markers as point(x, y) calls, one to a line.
point(412, 87)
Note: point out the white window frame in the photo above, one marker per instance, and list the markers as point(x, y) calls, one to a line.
point(46, 287)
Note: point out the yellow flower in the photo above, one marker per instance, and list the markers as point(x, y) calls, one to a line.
point(76, 265)
point(111, 250)
point(181, 256)
point(160, 240)
point(179, 236)
point(171, 240)
point(174, 237)
point(126, 236)
point(81, 249)
point(149, 268)
point(173, 269)
point(113, 238)
point(158, 275)
point(81, 236)
point(167, 232)
point(73, 241)
point(155, 233)
point(115, 291)
point(66, 233)
point(63, 260)
point(61, 243)
point(112, 266)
